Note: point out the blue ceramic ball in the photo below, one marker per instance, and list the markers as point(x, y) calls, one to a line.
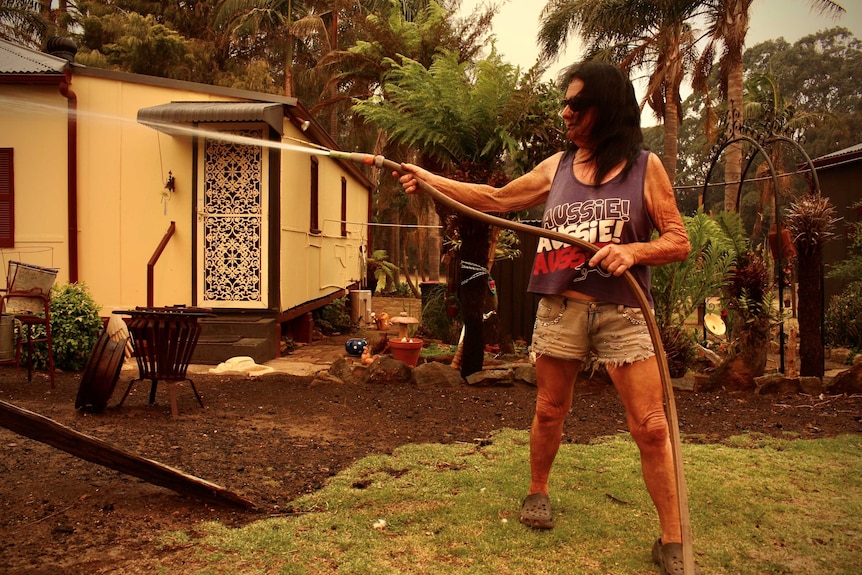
point(355, 346)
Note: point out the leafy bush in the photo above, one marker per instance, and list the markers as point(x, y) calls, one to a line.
point(679, 347)
point(851, 268)
point(843, 320)
point(679, 288)
point(436, 321)
point(75, 328)
point(403, 290)
point(382, 272)
point(334, 317)
point(75, 325)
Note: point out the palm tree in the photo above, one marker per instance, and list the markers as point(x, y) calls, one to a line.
point(727, 26)
point(355, 70)
point(249, 20)
point(665, 34)
point(769, 112)
point(653, 35)
point(282, 23)
point(20, 22)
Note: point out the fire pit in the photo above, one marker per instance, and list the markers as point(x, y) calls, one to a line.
point(164, 339)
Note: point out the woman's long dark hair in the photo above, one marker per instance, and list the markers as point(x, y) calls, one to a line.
point(616, 132)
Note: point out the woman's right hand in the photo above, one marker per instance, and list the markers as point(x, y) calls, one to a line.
point(409, 177)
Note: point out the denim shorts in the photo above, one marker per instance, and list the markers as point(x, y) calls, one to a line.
point(606, 333)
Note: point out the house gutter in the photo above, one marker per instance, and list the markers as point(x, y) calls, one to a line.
point(71, 171)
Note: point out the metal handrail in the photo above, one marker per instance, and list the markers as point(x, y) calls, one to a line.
point(155, 258)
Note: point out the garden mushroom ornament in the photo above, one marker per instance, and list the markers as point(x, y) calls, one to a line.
point(403, 321)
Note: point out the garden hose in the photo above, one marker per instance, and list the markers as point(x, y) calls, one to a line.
point(643, 302)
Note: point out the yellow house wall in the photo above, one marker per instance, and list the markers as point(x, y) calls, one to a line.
point(330, 261)
point(33, 121)
point(122, 168)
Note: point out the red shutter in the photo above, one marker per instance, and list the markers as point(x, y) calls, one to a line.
point(7, 199)
point(314, 223)
point(343, 207)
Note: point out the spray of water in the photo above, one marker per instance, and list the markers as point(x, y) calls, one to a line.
point(236, 138)
point(31, 107)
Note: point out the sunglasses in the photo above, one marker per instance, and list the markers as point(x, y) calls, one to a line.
point(576, 103)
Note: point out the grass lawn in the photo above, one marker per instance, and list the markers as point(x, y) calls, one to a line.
point(758, 506)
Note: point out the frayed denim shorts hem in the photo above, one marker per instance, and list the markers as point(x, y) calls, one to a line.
point(604, 333)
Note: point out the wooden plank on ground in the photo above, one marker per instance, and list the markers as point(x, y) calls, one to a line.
point(48, 431)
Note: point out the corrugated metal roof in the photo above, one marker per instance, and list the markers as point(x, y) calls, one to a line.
point(846, 153)
point(161, 117)
point(15, 59)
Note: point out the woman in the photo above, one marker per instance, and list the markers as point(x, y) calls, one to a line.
point(610, 192)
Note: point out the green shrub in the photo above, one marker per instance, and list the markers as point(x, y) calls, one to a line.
point(435, 317)
point(680, 287)
point(334, 317)
point(381, 272)
point(75, 328)
point(851, 267)
point(403, 290)
point(843, 319)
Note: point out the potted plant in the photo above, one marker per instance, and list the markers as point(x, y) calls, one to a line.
point(749, 299)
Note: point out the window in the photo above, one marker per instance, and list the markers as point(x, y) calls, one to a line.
point(314, 223)
point(343, 207)
point(7, 199)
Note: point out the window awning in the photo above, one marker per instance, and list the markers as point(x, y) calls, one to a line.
point(164, 116)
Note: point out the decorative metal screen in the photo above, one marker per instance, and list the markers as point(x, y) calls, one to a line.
point(232, 220)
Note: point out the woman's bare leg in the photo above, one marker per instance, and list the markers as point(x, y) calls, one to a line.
point(555, 379)
point(640, 388)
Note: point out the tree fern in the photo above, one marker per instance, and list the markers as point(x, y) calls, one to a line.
point(454, 111)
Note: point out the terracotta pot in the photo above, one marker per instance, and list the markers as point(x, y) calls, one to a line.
point(406, 351)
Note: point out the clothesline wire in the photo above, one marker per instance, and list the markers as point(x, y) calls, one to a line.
point(762, 178)
point(384, 225)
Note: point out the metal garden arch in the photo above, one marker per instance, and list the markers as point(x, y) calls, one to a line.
point(762, 142)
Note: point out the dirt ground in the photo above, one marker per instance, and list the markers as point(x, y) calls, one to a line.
point(276, 437)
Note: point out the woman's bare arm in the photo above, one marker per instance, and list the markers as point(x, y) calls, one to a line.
point(672, 244)
point(524, 192)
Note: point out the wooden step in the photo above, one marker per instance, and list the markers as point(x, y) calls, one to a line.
point(232, 335)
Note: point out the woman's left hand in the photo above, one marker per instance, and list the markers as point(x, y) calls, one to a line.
point(615, 258)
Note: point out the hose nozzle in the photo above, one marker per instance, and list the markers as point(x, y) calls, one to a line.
point(359, 158)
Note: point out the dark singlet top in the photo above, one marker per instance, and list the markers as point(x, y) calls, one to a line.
point(614, 212)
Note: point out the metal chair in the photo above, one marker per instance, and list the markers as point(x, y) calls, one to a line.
point(28, 299)
point(31, 334)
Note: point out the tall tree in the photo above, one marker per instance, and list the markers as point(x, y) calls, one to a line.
point(118, 35)
point(727, 26)
point(818, 76)
point(653, 35)
point(139, 44)
point(251, 20)
point(356, 69)
point(770, 113)
point(815, 79)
